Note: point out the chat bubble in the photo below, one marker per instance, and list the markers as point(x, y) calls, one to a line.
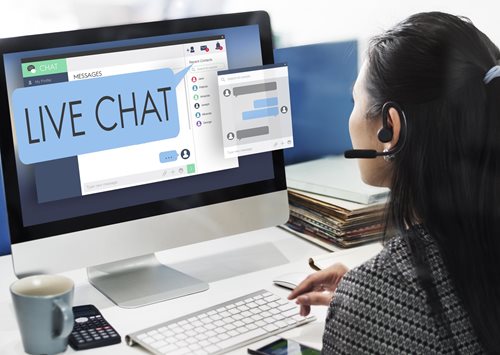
point(255, 88)
point(167, 157)
point(260, 113)
point(266, 102)
point(71, 118)
point(252, 132)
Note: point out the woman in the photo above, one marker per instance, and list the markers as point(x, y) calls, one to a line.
point(432, 83)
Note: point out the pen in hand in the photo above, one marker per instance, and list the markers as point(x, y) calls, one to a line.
point(313, 265)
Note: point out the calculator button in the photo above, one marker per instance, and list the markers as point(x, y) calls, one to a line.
point(81, 320)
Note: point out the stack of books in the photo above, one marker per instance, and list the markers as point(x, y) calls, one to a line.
point(331, 206)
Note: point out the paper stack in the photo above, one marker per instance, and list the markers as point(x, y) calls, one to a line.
point(343, 223)
point(330, 205)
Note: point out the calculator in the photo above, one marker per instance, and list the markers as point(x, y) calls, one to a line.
point(91, 330)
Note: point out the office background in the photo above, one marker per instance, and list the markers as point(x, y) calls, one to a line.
point(332, 35)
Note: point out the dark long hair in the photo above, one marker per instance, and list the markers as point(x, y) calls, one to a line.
point(448, 174)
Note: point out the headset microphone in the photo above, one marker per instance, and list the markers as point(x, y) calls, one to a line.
point(360, 153)
point(384, 135)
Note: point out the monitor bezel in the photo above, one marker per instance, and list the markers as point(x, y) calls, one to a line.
point(20, 233)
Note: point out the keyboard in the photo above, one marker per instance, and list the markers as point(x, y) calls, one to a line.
point(223, 327)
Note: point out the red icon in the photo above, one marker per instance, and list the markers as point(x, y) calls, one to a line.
point(194, 79)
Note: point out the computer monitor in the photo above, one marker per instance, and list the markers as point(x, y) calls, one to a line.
point(111, 148)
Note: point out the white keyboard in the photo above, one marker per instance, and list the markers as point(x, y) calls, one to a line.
point(222, 328)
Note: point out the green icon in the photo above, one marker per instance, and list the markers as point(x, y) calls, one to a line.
point(190, 168)
point(45, 67)
point(196, 97)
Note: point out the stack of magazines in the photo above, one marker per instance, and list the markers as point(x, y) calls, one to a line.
point(330, 204)
point(327, 220)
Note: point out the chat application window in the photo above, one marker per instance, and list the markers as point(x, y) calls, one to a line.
point(255, 110)
point(130, 117)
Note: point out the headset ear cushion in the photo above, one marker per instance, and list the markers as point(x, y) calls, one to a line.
point(384, 134)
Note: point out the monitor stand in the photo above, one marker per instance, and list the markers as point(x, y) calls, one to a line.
point(140, 281)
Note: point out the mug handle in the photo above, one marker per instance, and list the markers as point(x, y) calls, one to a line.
point(67, 315)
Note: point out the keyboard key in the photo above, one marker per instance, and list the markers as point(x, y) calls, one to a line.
point(240, 338)
point(194, 347)
point(201, 336)
point(168, 348)
point(212, 348)
point(159, 344)
point(205, 343)
point(270, 327)
point(238, 323)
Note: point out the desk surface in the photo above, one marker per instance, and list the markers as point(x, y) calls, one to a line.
point(233, 266)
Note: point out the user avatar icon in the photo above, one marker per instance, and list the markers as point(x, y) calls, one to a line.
point(226, 93)
point(31, 68)
point(197, 114)
point(194, 79)
point(191, 50)
point(284, 109)
point(197, 105)
point(195, 87)
point(230, 136)
point(185, 153)
point(218, 46)
point(196, 97)
point(198, 123)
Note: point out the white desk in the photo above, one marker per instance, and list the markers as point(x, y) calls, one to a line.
point(233, 266)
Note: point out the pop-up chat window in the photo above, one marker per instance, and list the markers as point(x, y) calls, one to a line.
point(255, 110)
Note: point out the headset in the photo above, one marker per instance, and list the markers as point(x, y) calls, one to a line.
point(384, 135)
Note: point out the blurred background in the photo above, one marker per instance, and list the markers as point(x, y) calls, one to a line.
point(294, 22)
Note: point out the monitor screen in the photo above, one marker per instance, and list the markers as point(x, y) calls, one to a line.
point(74, 169)
point(113, 137)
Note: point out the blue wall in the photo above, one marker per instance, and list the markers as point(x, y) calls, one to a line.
point(4, 233)
point(321, 79)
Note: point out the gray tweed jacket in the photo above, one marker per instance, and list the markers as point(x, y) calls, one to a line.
point(380, 308)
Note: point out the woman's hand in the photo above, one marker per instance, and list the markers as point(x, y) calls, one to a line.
point(318, 288)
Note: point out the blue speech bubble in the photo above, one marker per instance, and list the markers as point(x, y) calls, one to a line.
point(67, 119)
point(260, 113)
point(269, 101)
point(169, 156)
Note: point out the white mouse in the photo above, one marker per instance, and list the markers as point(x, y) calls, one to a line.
point(290, 280)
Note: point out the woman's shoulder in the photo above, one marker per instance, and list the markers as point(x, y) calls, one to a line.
point(392, 265)
point(380, 304)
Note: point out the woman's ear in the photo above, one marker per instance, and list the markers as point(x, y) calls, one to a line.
point(394, 122)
